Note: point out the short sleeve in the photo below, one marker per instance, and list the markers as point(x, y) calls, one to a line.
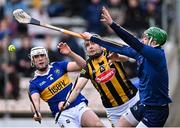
point(33, 88)
point(63, 65)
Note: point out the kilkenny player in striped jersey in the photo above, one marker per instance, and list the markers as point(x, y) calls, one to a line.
point(109, 78)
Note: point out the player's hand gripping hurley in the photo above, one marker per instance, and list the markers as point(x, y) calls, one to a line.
point(22, 17)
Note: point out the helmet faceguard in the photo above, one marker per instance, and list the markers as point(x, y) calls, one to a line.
point(157, 34)
point(37, 51)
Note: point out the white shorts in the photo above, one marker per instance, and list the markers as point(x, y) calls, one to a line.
point(114, 113)
point(71, 118)
point(130, 118)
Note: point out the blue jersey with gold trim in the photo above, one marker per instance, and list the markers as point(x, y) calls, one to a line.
point(54, 86)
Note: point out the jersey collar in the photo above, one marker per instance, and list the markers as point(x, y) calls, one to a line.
point(37, 74)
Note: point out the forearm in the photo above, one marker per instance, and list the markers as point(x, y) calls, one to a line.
point(127, 37)
point(81, 82)
point(74, 94)
point(124, 50)
point(78, 59)
point(106, 44)
point(122, 58)
point(36, 100)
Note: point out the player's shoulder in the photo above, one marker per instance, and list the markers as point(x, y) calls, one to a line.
point(32, 82)
point(37, 80)
point(59, 63)
point(34, 79)
point(53, 63)
point(37, 77)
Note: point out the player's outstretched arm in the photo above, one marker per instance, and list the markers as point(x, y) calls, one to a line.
point(78, 62)
point(121, 32)
point(111, 46)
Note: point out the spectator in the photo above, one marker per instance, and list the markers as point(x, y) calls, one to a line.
point(10, 88)
point(56, 8)
point(22, 61)
point(14, 4)
point(54, 55)
point(92, 16)
point(153, 9)
point(5, 29)
point(75, 8)
point(1, 82)
point(2, 2)
point(1, 51)
point(134, 19)
point(117, 9)
point(9, 8)
point(39, 13)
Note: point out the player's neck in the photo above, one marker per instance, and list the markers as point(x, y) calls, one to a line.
point(97, 55)
point(42, 71)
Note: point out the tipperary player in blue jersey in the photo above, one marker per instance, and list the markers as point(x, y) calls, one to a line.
point(152, 110)
point(52, 84)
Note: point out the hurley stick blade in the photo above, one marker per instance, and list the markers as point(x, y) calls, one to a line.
point(21, 16)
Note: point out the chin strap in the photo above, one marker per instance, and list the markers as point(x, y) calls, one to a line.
point(149, 43)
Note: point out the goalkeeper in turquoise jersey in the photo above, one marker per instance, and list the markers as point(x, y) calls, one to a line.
point(152, 109)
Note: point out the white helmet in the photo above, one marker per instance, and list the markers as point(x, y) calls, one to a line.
point(37, 51)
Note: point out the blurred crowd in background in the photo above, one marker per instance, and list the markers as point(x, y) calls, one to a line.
point(134, 15)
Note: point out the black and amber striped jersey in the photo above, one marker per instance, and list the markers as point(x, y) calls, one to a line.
point(110, 80)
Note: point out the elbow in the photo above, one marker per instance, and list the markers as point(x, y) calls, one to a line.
point(84, 64)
